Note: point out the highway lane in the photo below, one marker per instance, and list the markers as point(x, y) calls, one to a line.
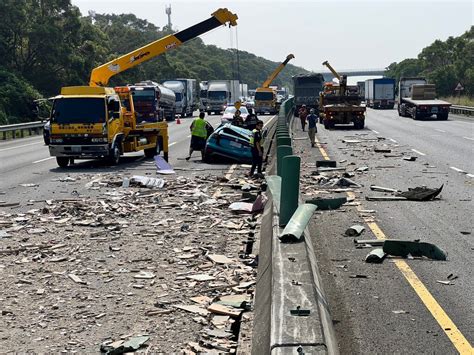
point(27, 161)
point(364, 308)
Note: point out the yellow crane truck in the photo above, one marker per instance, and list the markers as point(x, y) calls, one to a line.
point(338, 105)
point(99, 122)
point(265, 96)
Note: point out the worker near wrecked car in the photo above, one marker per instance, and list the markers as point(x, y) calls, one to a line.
point(199, 133)
point(256, 143)
point(237, 120)
point(251, 120)
point(312, 130)
point(303, 113)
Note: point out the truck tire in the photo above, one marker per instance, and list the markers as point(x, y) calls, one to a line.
point(151, 152)
point(114, 155)
point(63, 162)
point(209, 113)
point(442, 116)
point(327, 125)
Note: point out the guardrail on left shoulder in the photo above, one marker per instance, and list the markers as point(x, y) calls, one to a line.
point(31, 127)
point(462, 110)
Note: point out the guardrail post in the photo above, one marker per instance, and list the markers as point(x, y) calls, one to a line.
point(290, 182)
point(282, 140)
point(282, 151)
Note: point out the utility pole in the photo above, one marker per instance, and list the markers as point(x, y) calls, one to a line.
point(168, 12)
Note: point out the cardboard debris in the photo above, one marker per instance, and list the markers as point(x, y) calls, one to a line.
point(122, 347)
point(219, 259)
point(201, 277)
point(193, 309)
point(224, 310)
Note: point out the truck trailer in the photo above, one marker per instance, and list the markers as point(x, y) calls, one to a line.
point(186, 95)
point(417, 99)
point(153, 102)
point(306, 88)
point(380, 93)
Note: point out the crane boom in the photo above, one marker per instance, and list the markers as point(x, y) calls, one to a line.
point(277, 71)
point(101, 75)
point(335, 73)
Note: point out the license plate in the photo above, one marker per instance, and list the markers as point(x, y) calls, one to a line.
point(434, 110)
point(235, 144)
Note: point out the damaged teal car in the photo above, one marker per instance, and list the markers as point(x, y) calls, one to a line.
point(229, 142)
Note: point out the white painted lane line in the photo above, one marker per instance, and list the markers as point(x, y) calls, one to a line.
point(440, 130)
point(418, 152)
point(169, 145)
point(42, 160)
point(471, 139)
point(373, 130)
point(470, 175)
point(457, 169)
point(393, 140)
point(419, 125)
point(20, 146)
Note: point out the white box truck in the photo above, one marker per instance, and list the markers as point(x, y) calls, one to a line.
point(221, 93)
point(380, 93)
point(186, 95)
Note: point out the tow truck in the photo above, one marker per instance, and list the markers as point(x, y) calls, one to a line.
point(265, 96)
point(99, 122)
point(338, 105)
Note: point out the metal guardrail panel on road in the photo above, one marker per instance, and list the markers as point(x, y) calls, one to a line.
point(20, 127)
point(462, 110)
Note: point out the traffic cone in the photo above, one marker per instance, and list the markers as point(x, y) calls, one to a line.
point(178, 121)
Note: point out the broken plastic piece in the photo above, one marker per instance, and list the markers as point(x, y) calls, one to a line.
point(300, 312)
point(130, 345)
point(411, 158)
point(382, 189)
point(354, 230)
point(328, 203)
point(149, 182)
point(375, 256)
point(326, 163)
point(421, 193)
point(404, 247)
point(162, 166)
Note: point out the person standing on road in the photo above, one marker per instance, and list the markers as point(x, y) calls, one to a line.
point(251, 120)
point(303, 113)
point(198, 135)
point(257, 150)
point(312, 119)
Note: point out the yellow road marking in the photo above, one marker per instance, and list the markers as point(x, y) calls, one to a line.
point(321, 149)
point(454, 334)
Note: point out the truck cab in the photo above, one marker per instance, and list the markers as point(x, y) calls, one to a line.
point(266, 101)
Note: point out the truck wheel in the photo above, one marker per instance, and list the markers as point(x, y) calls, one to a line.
point(151, 152)
point(63, 162)
point(326, 124)
point(443, 116)
point(209, 113)
point(114, 155)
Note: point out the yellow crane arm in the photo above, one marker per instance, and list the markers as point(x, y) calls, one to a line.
point(277, 71)
point(100, 76)
point(335, 73)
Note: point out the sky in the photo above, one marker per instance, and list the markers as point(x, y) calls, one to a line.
point(349, 34)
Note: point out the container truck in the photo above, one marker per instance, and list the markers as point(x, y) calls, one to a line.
point(306, 88)
point(221, 93)
point(361, 88)
point(380, 93)
point(153, 102)
point(186, 95)
point(417, 99)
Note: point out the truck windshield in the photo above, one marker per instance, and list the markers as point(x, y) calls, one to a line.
point(203, 94)
point(217, 95)
point(263, 96)
point(178, 96)
point(78, 110)
point(143, 95)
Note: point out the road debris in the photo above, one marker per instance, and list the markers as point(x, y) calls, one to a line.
point(421, 193)
point(404, 248)
point(375, 256)
point(354, 230)
point(122, 347)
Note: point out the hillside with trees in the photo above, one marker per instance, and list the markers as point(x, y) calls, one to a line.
point(444, 63)
point(48, 44)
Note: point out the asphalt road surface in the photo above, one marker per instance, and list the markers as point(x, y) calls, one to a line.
point(399, 306)
point(27, 161)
